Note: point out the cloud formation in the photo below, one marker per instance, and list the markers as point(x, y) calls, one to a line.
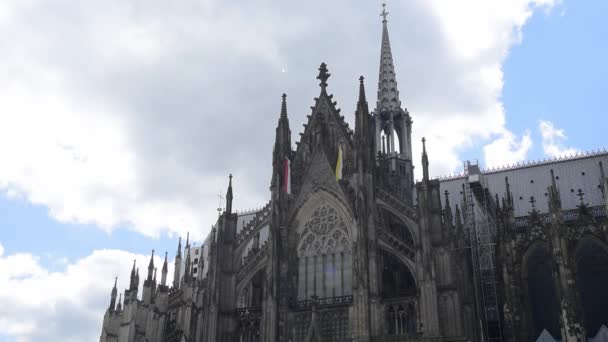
point(132, 113)
point(507, 149)
point(39, 305)
point(553, 140)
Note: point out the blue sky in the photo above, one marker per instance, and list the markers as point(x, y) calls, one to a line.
point(143, 132)
point(559, 72)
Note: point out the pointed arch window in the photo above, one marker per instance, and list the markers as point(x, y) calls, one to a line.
point(324, 256)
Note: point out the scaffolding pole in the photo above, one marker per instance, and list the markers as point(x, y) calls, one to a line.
point(481, 231)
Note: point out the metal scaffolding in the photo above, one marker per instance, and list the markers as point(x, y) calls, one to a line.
point(479, 219)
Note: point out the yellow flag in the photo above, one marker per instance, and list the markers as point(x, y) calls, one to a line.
point(339, 164)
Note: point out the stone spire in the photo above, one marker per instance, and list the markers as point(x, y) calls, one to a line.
point(282, 142)
point(425, 161)
point(187, 268)
point(449, 218)
point(132, 284)
point(151, 266)
point(363, 131)
point(388, 94)
point(178, 265)
point(113, 297)
point(163, 277)
point(229, 197)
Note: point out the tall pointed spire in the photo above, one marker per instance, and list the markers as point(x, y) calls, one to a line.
point(178, 265)
point(113, 296)
point(132, 281)
point(425, 161)
point(388, 94)
point(151, 266)
point(282, 145)
point(363, 132)
point(163, 277)
point(448, 210)
point(229, 196)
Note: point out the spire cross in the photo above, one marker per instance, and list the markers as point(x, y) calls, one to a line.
point(384, 13)
point(580, 194)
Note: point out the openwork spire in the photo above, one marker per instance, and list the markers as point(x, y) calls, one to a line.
point(388, 94)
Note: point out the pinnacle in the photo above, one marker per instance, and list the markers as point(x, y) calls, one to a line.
point(362, 90)
point(284, 107)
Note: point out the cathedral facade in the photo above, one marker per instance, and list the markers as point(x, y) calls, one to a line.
point(351, 248)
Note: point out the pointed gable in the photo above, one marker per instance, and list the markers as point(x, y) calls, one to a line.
point(325, 129)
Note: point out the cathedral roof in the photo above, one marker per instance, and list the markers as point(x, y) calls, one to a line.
point(580, 171)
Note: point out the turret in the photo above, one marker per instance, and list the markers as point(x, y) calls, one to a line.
point(178, 265)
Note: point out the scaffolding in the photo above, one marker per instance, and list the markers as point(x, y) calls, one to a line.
point(480, 228)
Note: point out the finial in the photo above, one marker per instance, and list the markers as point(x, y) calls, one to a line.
point(323, 75)
point(188, 240)
point(362, 90)
point(384, 13)
point(424, 145)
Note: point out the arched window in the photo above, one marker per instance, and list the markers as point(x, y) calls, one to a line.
point(592, 282)
point(397, 280)
point(541, 292)
point(324, 256)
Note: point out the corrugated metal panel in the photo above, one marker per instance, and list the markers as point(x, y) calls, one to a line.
point(582, 173)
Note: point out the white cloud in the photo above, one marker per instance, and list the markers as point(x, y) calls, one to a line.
point(507, 149)
point(39, 305)
point(553, 139)
point(128, 114)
